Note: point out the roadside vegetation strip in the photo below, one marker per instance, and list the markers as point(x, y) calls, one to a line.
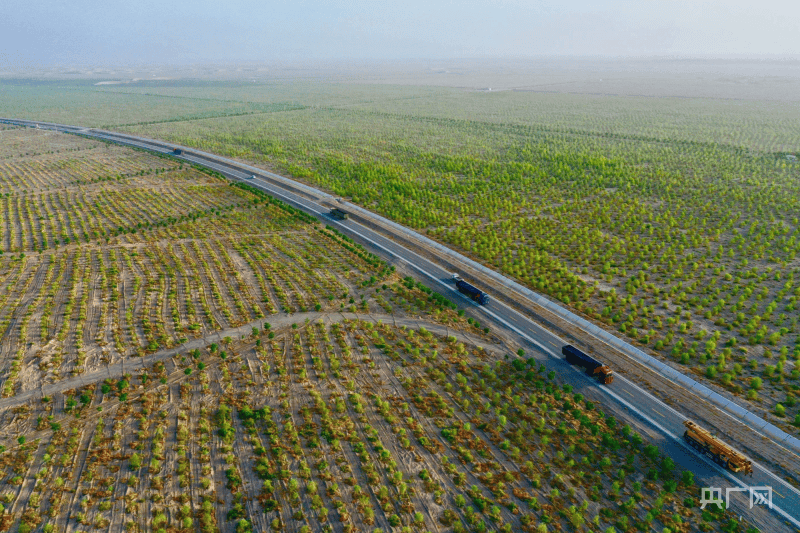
point(778, 510)
point(725, 404)
point(408, 373)
point(768, 429)
point(620, 211)
point(728, 354)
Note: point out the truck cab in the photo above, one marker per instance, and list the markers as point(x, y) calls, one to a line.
point(604, 374)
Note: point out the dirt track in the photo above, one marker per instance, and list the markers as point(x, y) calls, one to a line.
point(278, 321)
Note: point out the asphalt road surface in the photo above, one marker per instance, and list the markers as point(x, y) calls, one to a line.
point(624, 399)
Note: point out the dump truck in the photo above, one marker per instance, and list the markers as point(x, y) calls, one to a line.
point(177, 151)
point(708, 445)
point(472, 292)
point(339, 213)
point(593, 366)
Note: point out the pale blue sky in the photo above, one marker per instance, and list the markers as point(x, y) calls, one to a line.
point(36, 33)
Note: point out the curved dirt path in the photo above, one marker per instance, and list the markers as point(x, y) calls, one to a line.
point(277, 321)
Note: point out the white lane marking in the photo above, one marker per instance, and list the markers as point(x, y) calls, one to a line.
point(500, 320)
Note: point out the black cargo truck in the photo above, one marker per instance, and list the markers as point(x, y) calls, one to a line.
point(593, 366)
point(473, 293)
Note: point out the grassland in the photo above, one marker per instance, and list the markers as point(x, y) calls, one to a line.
point(348, 399)
point(217, 361)
point(672, 221)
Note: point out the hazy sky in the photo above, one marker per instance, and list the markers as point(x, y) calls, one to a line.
point(37, 33)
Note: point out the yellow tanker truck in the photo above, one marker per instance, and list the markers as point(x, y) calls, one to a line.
point(722, 454)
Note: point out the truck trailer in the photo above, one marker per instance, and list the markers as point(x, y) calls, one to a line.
point(472, 292)
point(593, 366)
point(722, 454)
point(339, 213)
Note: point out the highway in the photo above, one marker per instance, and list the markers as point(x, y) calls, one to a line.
point(628, 402)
